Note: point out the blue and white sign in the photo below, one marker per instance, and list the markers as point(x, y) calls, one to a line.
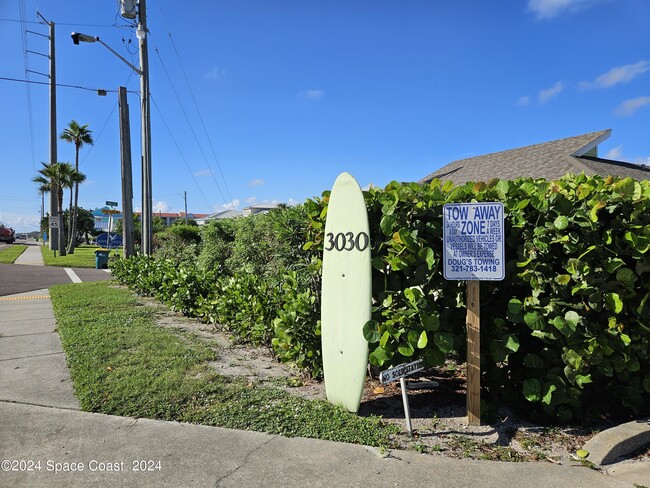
point(116, 240)
point(473, 241)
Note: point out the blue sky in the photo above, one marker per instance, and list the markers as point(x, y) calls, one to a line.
point(293, 92)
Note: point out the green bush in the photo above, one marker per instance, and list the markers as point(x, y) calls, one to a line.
point(566, 334)
point(254, 249)
point(244, 304)
point(217, 238)
point(179, 243)
point(297, 326)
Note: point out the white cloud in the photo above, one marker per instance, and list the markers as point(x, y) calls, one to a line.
point(215, 74)
point(628, 107)
point(250, 200)
point(615, 153)
point(160, 207)
point(312, 94)
point(230, 205)
point(20, 223)
point(523, 101)
point(203, 172)
point(256, 182)
point(619, 74)
point(549, 93)
point(547, 9)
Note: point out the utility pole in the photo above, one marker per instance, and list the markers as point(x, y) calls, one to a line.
point(185, 197)
point(54, 210)
point(127, 178)
point(147, 203)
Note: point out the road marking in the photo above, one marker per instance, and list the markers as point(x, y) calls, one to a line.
point(73, 276)
point(30, 297)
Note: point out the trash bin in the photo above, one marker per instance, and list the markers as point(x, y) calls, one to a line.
point(101, 258)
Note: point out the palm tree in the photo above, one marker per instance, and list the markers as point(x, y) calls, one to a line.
point(76, 177)
point(59, 176)
point(78, 135)
point(43, 188)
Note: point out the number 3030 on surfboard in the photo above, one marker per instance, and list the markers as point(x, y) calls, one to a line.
point(347, 241)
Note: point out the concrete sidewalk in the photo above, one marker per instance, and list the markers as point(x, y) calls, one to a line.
point(31, 256)
point(113, 450)
point(32, 364)
point(46, 441)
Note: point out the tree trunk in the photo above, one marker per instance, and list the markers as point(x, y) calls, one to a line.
point(70, 247)
point(73, 241)
point(61, 222)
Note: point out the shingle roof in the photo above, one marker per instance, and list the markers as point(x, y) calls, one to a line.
point(549, 160)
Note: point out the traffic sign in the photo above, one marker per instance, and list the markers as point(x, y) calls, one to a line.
point(54, 222)
point(401, 371)
point(111, 204)
point(115, 241)
point(473, 250)
point(473, 247)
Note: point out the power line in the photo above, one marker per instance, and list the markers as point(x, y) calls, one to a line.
point(64, 23)
point(180, 152)
point(32, 82)
point(106, 122)
point(189, 124)
point(100, 133)
point(27, 87)
point(196, 104)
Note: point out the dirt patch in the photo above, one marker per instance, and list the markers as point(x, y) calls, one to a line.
point(438, 415)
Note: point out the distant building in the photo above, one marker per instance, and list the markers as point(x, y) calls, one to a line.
point(224, 214)
point(259, 208)
point(246, 212)
point(101, 218)
point(549, 160)
point(170, 217)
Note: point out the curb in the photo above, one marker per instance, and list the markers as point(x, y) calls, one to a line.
point(612, 444)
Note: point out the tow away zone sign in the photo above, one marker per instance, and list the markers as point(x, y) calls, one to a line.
point(473, 241)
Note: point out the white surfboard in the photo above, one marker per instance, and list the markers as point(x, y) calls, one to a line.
point(346, 296)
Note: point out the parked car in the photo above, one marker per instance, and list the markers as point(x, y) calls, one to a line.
point(7, 234)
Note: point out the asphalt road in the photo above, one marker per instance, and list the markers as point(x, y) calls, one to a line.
point(20, 278)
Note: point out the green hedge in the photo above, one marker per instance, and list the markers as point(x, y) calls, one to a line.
point(564, 336)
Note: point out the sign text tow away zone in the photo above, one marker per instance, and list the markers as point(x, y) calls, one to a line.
point(473, 241)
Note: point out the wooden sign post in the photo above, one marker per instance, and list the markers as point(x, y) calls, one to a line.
point(473, 251)
point(473, 323)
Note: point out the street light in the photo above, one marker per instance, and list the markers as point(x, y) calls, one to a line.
point(78, 37)
point(143, 71)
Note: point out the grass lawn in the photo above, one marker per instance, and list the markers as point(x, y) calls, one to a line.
point(83, 257)
point(9, 254)
point(123, 364)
